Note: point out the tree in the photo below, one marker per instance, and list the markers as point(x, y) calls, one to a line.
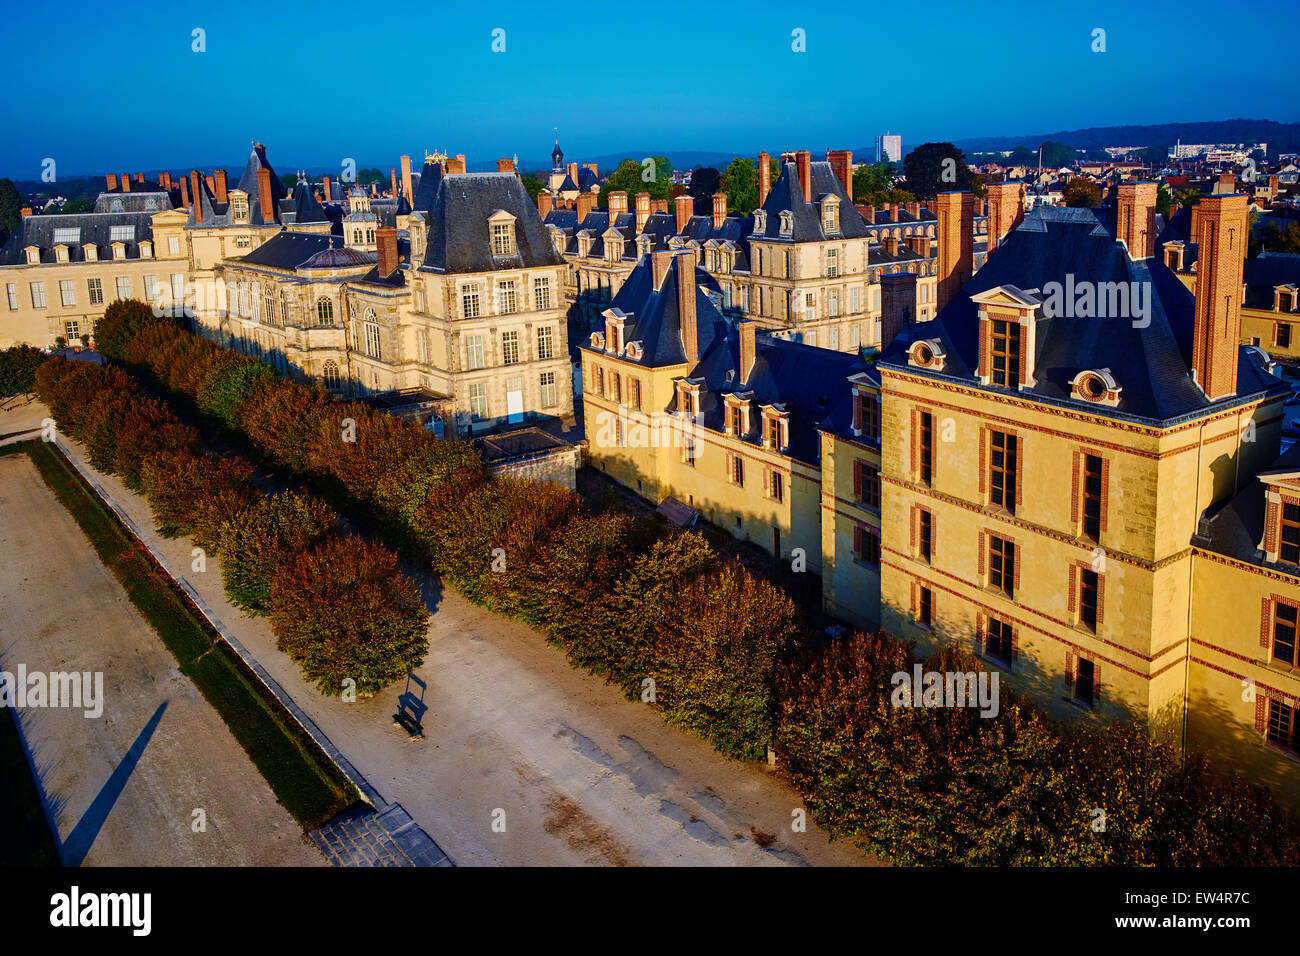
point(704, 183)
point(631, 177)
point(933, 168)
point(1163, 200)
point(533, 185)
point(11, 209)
point(740, 183)
point(256, 543)
point(1082, 193)
point(176, 482)
point(18, 369)
point(869, 179)
point(343, 611)
point(1056, 155)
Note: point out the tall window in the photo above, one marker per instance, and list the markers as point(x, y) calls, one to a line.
point(72, 329)
point(510, 348)
point(324, 311)
point(925, 609)
point(372, 340)
point(469, 301)
point(615, 386)
point(1289, 541)
point(925, 534)
point(173, 246)
point(1283, 728)
point(1085, 684)
point(866, 545)
point(149, 283)
point(737, 470)
point(634, 390)
point(1002, 470)
point(926, 443)
point(507, 301)
point(124, 287)
point(833, 309)
point(1092, 497)
point(1088, 587)
point(1002, 565)
point(478, 401)
point(600, 381)
point(1006, 353)
point(67, 295)
point(545, 342)
point(1284, 633)
point(503, 240)
point(998, 641)
point(38, 295)
point(832, 262)
point(1283, 335)
point(542, 293)
point(549, 396)
point(11, 290)
point(868, 415)
point(474, 352)
point(777, 486)
point(868, 484)
point(331, 375)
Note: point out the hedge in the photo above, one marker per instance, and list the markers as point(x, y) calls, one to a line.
point(727, 656)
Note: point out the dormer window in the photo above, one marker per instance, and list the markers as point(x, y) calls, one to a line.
point(1284, 298)
point(1174, 255)
point(760, 221)
point(616, 321)
point(146, 249)
point(90, 251)
point(33, 255)
point(60, 253)
point(787, 222)
point(830, 214)
point(119, 250)
point(1007, 320)
point(239, 207)
point(503, 234)
point(776, 428)
point(866, 414)
point(926, 353)
point(1095, 385)
point(737, 415)
point(598, 341)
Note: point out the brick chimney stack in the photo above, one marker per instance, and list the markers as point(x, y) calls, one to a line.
point(185, 193)
point(544, 203)
point(325, 185)
point(165, 180)
point(1135, 219)
point(897, 304)
point(841, 161)
point(265, 196)
point(686, 305)
point(719, 209)
point(195, 187)
point(212, 183)
point(392, 180)
point(1224, 223)
point(1228, 182)
point(505, 166)
point(572, 170)
point(586, 203)
point(386, 244)
point(893, 210)
point(456, 164)
point(111, 180)
point(869, 214)
point(803, 163)
point(659, 205)
point(406, 177)
point(125, 180)
point(748, 330)
point(139, 177)
point(1006, 211)
point(956, 212)
point(220, 177)
point(685, 207)
point(913, 210)
point(764, 177)
point(660, 260)
point(25, 212)
point(642, 211)
point(617, 204)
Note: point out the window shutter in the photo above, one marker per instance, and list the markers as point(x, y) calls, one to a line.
point(983, 554)
point(1265, 620)
point(1075, 478)
point(857, 542)
point(1074, 586)
point(857, 413)
point(1020, 467)
point(1101, 597)
point(1272, 512)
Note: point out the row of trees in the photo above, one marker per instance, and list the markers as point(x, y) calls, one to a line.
point(728, 656)
point(339, 607)
point(18, 366)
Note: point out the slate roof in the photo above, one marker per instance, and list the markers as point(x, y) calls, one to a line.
point(787, 194)
point(587, 179)
point(305, 250)
point(151, 201)
point(425, 186)
point(1235, 527)
point(1151, 364)
point(459, 236)
point(302, 207)
point(1267, 271)
point(95, 227)
point(661, 227)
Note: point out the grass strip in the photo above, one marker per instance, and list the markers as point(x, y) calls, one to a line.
point(302, 776)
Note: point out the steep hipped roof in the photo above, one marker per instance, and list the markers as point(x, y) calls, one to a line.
point(460, 239)
point(302, 207)
point(1070, 247)
point(248, 183)
point(305, 250)
point(787, 195)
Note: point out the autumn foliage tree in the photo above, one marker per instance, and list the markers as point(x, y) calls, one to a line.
point(177, 483)
point(256, 542)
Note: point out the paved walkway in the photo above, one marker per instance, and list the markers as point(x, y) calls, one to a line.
point(157, 779)
point(527, 761)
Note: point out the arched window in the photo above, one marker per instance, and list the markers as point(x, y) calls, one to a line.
point(325, 311)
point(331, 375)
point(370, 235)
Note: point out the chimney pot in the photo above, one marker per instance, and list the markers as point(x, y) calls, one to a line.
point(617, 204)
point(220, 177)
point(642, 210)
point(686, 315)
point(265, 197)
point(111, 179)
point(126, 183)
point(1006, 211)
point(25, 212)
point(406, 177)
point(1135, 219)
point(505, 166)
point(803, 163)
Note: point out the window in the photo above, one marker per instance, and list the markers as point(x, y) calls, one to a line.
point(478, 401)
point(833, 308)
point(506, 300)
point(331, 375)
point(549, 395)
point(1002, 565)
point(542, 294)
point(372, 339)
point(69, 235)
point(121, 234)
point(239, 208)
point(149, 283)
point(1006, 353)
point(1088, 589)
point(777, 487)
point(1282, 726)
point(832, 263)
point(469, 301)
point(510, 348)
point(1289, 534)
point(1085, 682)
point(12, 291)
point(737, 469)
point(72, 329)
point(123, 287)
point(178, 289)
point(66, 294)
point(600, 380)
point(94, 290)
point(866, 545)
point(925, 441)
point(924, 534)
point(1284, 633)
point(545, 342)
point(1283, 335)
point(173, 246)
point(998, 641)
point(828, 218)
point(615, 387)
point(634, 391)
point(734, 419)
point(1002, 470)
point(867, 479)
point(38, 295)
point(503, 238)
point(324, 311)
point(925, 607)
point(474, 352)
point(868, 415)
point(1092, 498)
point(855, 303)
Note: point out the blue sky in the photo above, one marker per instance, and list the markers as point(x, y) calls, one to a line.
point(116, 87)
